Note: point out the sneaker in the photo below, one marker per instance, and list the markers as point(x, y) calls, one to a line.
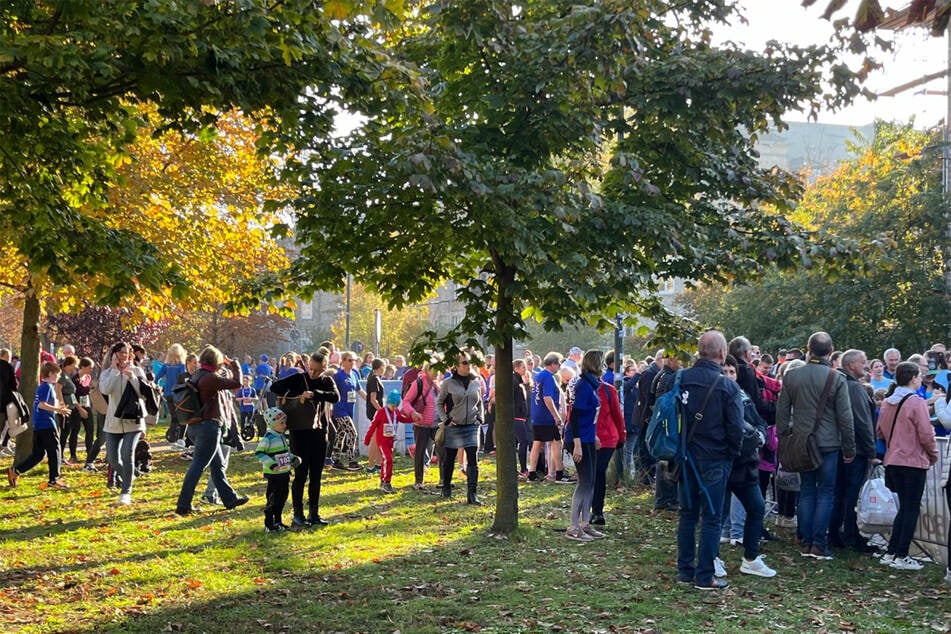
point(5, 451)
point(386, 487)
point(277, 528)
point(12, 477)
point(565, 480)
point(947, 576)
point(180, 443)
point(887, 559)
point(533, 477)
point(243, 499)
point(328, 462)
point(125, 499)
point(787, 522)
point(716, 584)
point(736, 542)
point(805, 550)
point(297, 520)
point(724, 540)
point(209, 499)
point(58, 484)
point(372, 470)
point(336, 465)
point(90, 467)
point(354, 466)
point(878, 541)
point(906, 563)
point(767, 536)
point(523, 475)
point(597, 520)
point(756, 567)
point(822, 554)
point(577, 534)
point(719, 568)
point(592, 531)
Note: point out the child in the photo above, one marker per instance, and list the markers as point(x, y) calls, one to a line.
point(45, 436)
point(274, 453)
point(383, 428)
point(245, 397)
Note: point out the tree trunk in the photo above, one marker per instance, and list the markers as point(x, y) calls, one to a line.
point(29, 365)
point(506, 491)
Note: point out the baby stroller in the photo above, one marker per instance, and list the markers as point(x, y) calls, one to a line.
point(254, 424)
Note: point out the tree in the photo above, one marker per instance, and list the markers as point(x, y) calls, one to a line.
point(400, 328)
point(73, 76)
point(95, 328)
point(869, 14)
point(496, 178)
point(888, 197)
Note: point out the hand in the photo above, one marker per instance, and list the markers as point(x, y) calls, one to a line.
point(576, 454)
point(295, 462)
point(417, 417)
point(620, 446)
point(83, 413)
point(597, 443)
point(848, 460)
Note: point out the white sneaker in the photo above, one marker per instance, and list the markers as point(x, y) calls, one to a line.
point(906, 563)
point(4, 451)
point(592, 532)
point(125, 499)
point(736, 542)
point(757, 567)
point(947, 576)
point(719, 568)
point(180, 443)
point(887, 559)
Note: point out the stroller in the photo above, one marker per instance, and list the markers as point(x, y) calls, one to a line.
point(254, 424)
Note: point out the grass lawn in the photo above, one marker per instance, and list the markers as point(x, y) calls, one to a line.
point(71, 561)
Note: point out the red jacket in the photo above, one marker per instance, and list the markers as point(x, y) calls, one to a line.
point(376, 426)
point(610, 425)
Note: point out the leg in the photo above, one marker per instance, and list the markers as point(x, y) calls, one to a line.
point(446, 465)
point(838, 506)
point(127, 459)
point(825, 492)
point(270, 500)
point(714, 476)
point(855, 478)
point(53, 454)
point(375, 456)
point(280, 498)
point(689, 499)
point(472, 475)
point(584, 489)
point(40, 440)
point(750, 499)
point(806, 510)
point(600, 483)
point(522, 442)
point(205, 436)
point(318, 450)
point(386, 460)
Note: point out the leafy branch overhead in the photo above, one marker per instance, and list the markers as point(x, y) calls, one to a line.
point(562, 159)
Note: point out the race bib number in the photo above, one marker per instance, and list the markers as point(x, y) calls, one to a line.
point(352, 396)
point(389, 429)
point(283, 460)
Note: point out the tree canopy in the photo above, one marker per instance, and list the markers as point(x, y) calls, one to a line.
point(495, 175)
point(887, 197)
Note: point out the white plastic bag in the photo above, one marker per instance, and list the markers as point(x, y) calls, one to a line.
point(877, 507)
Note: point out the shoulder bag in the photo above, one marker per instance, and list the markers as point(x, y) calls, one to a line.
point(798, 448)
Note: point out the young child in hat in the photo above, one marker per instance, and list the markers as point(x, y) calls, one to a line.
point(383, 428)
point(275, 454)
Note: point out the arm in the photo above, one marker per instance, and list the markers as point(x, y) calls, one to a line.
point(843, 416)
point(407, 405)
point(326, 391)
point(263, 453)
point(783, 422)
point(617, 415)
point(943, 412)
point(441, 402)
point(733, 422)
point(925, 432)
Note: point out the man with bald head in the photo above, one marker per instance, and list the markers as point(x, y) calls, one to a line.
point(797, 408)
point(713, 425)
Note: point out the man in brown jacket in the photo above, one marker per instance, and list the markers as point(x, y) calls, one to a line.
point(796, 408)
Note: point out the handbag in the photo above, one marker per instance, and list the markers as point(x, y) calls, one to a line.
point(798, 448)
point(788, 480)
point(440, 437)
point(129, 406)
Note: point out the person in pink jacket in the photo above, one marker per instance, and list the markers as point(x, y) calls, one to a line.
point(905, 425)
point(610, 430)
point(419, 403)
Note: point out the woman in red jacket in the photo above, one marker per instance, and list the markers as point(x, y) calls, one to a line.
point(612, 434)
point(905, 425)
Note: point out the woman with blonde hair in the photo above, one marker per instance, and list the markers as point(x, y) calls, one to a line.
point(173, 367)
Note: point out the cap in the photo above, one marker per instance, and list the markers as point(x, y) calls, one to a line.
point(273, 416)
point(393, 398)
point(264, 358)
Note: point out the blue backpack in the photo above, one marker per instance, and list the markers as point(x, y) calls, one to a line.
point(664, 431)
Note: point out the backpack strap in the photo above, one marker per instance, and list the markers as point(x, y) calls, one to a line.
point(698, 417)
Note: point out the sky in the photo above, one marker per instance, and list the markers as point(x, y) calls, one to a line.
point(915, 54)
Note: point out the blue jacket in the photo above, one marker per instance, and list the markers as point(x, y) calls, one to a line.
point(720, 433)
point(584, 409)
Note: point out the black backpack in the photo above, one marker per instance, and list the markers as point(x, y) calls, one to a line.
point(188, 406)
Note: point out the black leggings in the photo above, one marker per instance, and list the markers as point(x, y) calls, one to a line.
point(908, 483)
point(310, 445)
point(523, 439)
point(448, 464)
point(70, 436)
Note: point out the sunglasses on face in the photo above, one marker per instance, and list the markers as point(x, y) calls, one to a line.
point(464, 362)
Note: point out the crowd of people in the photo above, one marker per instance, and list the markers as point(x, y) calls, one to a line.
point(741, 410)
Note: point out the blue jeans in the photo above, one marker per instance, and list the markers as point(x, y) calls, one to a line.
point(211, 491)
point(120, 453)
point(816, 496)
point(624, 458)
point(747, 499)
point(206, 436)
point(693, 503)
